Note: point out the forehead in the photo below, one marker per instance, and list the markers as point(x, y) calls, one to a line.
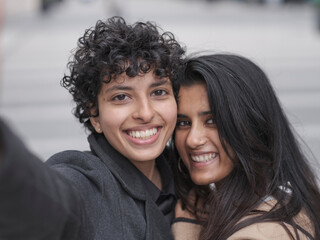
point(193, 98)
point(140, 81)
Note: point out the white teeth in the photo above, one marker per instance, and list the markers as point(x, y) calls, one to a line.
point(147, 133)
point(204, 157)
point(143, 134)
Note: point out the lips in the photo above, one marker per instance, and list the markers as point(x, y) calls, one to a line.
point(203, 157)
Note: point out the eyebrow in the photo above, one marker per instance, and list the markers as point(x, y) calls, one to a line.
point(118, 87)
point(205, 113)
point(181, 115)
point(160, 83)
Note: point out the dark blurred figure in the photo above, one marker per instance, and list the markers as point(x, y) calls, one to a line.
point(47, 4)
point(35, 202)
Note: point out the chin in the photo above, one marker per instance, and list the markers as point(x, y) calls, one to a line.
point(200, 181)
point(146, 156)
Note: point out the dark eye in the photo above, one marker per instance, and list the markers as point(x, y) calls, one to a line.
point(159, 92)
point(120, 97)
point(183, 123)
point(211, 121)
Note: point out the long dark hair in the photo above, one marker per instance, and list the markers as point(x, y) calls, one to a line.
point(268, 160)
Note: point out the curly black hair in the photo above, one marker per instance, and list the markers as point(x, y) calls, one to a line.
point(111, 48)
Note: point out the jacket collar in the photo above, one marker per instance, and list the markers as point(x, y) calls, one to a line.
point(130, 179)
point(126, 173)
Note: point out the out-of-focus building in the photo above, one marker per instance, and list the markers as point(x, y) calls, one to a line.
point(16, 8)
point(317, 12)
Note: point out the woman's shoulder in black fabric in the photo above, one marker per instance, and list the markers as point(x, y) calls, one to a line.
point(83, 169)
point(82, 159)
point(36, 202)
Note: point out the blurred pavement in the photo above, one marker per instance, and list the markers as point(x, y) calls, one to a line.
point(35, 48)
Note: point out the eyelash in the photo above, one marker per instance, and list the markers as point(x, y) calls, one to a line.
point(116, 98)
point(210, 119)
point(184, 123)
point(163, 92)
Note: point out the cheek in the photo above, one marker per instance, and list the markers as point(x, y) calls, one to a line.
point(172, 109)
point(179, 142)
point(227, 165)
point(168, 112)
point(113, 118)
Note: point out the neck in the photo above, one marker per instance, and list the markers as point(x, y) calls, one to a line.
point(150, 170)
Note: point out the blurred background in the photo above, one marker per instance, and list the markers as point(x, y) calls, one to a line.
point(37, 36)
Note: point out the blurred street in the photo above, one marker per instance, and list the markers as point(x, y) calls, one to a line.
point(35, 48)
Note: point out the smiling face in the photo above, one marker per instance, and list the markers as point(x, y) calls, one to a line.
point(137, 116)
point(197, 138)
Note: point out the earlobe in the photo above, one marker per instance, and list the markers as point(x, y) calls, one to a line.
point(96, 124)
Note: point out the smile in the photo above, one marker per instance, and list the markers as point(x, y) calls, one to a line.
point(203, 157)
point(143, 134)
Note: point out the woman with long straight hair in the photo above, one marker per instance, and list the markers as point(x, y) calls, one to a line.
point(240, 171)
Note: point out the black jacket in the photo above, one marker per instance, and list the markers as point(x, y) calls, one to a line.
point(116, 200)
point(91, 195)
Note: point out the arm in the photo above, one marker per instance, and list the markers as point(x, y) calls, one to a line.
point(185, 227)
point(183, 230)
point(35, 201)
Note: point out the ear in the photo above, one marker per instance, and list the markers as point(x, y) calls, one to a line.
point(95, 121)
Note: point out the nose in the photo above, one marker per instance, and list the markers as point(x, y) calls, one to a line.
point(196, 136)
point(144, 110)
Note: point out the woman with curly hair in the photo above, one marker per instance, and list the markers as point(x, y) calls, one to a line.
point(121, 79)
point(240, 172)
